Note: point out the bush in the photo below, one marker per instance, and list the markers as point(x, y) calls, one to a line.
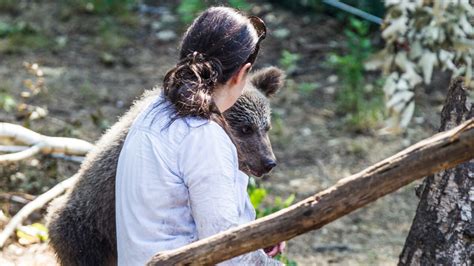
point(263, 208)
point(361, 104)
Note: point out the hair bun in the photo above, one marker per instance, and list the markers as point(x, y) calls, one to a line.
point(207, 71)
point(190, 84)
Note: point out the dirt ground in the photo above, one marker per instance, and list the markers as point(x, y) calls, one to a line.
point(92, 77)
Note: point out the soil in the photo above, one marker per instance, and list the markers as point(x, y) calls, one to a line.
point(92, 76)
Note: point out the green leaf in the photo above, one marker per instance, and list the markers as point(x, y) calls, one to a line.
point(7, 102)
point(277, 202)
point(32, 233)
point(289, 201)
point(285, 260)
point(257, 196)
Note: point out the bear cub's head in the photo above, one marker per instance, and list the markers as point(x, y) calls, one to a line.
point(249, 120)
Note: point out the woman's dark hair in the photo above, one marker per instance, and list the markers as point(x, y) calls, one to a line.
point(213, 49)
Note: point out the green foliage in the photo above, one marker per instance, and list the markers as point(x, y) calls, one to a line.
point(111, 37)
point(307, 87)
point(285, 260)
point(33, 233)
point(20, 37)
point(239, 4)
point(317, 6)
point(111, 6)
point(117, 11)
point(278, 126)
point(189, 9)
point(7, 102)
point(376, 8)
point(7, 29)
point(362, 104)
point(11, 6)
point(301, 5)
point(289, 60)
point(257, 196)
point(277, 205)
point(101, 7)
point(23, 42)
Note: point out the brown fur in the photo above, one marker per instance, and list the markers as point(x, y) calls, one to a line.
point(82, 223)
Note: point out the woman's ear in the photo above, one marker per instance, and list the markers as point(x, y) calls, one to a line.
point(240, 75)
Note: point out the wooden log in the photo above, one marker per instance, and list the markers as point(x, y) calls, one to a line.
point(439, 152)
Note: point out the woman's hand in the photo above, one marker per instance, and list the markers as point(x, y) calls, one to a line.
point(275, 250)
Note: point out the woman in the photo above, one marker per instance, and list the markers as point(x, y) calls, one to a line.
point(177, 177)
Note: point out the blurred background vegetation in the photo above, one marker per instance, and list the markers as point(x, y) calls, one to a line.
point(113, 25)
point(71, 67)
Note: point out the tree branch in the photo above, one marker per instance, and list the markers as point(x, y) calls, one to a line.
point(34, 205)
point(21, 155)
point(426, 157)
point(41, 143)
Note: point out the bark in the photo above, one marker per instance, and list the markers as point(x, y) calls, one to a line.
point(429, 156)
point(443, 228)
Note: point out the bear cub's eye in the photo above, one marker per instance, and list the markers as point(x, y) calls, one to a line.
point(247, 130)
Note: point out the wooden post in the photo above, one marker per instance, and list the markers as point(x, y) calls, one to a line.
point(442, 232)
point(426, 157)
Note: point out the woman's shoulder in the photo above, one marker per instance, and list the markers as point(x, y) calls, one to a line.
point(205, 129)
point(207, 149)
point(158, 119)
point(207, 135)
point(158, 116)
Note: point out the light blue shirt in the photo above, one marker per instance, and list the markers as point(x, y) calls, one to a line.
point(176, 183)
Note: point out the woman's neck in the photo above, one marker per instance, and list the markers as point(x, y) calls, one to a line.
point(222, 97)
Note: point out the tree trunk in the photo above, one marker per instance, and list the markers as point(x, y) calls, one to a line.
point(443, 229)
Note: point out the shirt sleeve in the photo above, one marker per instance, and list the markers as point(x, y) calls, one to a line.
point(208, 163)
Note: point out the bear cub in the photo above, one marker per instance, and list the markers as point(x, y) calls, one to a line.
point(82, 222)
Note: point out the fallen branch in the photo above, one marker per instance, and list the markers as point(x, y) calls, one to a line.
point(21, 155)
point(439, 152)
point(72, 158)
point(34, 205)
point(40, 143)
point(16, 197)
point(16, 148)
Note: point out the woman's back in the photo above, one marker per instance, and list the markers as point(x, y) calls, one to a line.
point(177, 176)
point(163, 169)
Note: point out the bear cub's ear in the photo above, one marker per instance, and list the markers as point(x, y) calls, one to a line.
point(269, 80)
